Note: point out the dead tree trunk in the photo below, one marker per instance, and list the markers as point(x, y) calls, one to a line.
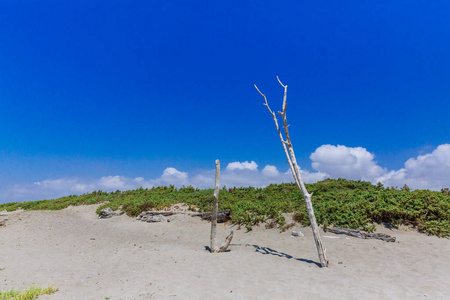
point(292, 161)
point(214, 248)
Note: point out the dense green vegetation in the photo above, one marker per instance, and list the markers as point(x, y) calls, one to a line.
point(340, 202)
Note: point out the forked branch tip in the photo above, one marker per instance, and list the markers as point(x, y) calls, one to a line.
point(279, 81)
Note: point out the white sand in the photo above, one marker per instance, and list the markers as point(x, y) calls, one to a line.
point(122, 258)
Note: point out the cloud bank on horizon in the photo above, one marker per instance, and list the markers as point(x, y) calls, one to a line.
point(429, 171)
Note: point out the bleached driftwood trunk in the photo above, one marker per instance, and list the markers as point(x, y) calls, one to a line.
point(361, 234)
point(226, 243)
point(289, 151)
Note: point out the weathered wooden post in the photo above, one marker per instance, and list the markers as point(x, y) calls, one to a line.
point(292, 161)
point(226, 243)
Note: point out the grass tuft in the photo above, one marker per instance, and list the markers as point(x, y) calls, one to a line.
point(27, 294)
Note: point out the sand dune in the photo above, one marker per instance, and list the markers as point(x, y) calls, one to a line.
point(122, 258)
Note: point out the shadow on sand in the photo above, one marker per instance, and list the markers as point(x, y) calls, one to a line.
point(207, 248)
point(269, 251)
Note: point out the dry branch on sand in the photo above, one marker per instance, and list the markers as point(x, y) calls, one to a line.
point(361, 234)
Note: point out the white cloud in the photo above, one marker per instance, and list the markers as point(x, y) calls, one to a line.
point(239, 174)
point(204, 180)
point(311, 177)
point(235, 174)
point(173, 176)
point(270, 171)
point(429, 171)
point(242, 166)
point(112, 182)
point(346, 162)
point(55, 188)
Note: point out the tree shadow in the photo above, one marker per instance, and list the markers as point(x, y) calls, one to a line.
point(207, 248)
point(269, 251)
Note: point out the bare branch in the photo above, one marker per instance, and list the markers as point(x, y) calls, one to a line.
point(295, 169)
point(226, 242)
point(259, 91)
point(285, 86)
point(283, 142)
point(285, 95)
point(266, 104)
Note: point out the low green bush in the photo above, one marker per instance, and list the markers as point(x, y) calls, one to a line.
point(336, 202)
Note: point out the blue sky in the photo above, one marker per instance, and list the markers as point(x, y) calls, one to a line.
point(119, 94)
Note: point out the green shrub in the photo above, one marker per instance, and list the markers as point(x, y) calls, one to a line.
point(336, 202)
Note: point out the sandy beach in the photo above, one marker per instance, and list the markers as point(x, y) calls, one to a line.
point(123, 258)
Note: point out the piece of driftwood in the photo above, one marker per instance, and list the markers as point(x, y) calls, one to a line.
point(155, 216)
point(153, 219)
point(107, 213)
point(165, 213)
point(222, 215)
point(297, 233)
point(226, 243)
point(361, 234)
point(214, 216)
point(2, 222)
